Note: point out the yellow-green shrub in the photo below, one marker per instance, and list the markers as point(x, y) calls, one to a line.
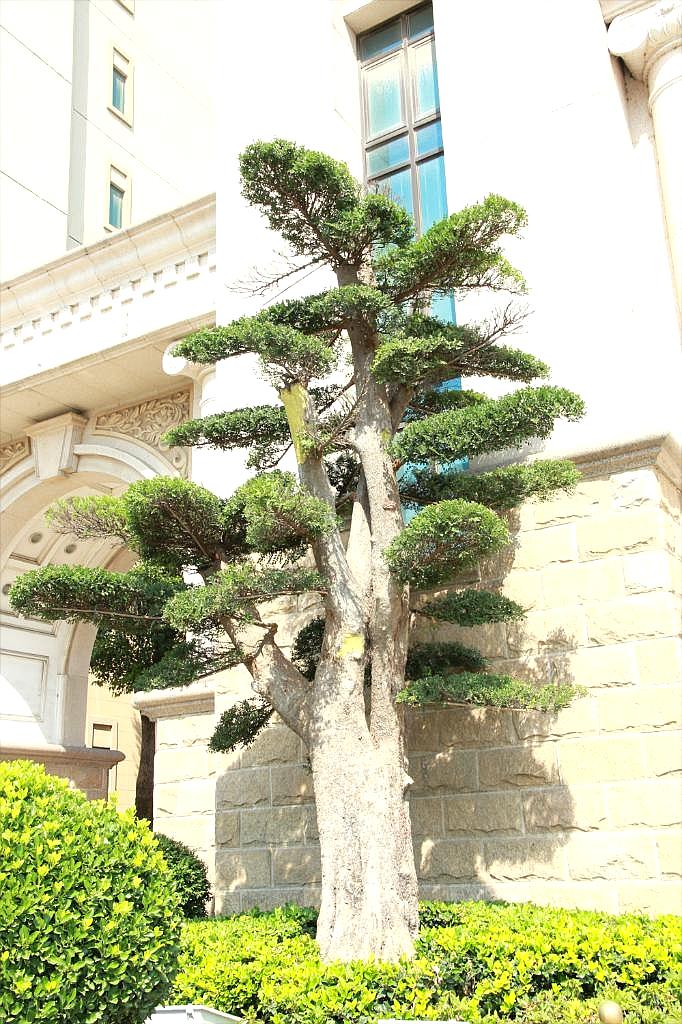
point(89, 919)
point(478, 962)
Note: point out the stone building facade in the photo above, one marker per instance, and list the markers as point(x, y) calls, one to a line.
point(572, 111)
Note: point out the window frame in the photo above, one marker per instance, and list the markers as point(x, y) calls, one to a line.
point(119, 179)
point(412, 123)
point(121, 63)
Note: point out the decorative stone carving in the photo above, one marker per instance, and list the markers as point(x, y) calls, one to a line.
point(640, 34)
point(13, 451)
point(148, 421)
point(53, 442)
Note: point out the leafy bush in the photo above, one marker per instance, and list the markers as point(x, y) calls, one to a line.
point(484, 963)
point(189, 875)
point(89, 924)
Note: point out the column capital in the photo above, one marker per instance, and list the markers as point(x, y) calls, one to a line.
point(642, 32)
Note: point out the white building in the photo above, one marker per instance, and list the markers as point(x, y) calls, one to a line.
point(538, 102)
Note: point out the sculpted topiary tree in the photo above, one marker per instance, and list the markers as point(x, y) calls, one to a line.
point(357, 369)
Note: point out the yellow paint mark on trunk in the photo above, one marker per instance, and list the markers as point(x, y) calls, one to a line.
point(294, 399)
point(352, 646)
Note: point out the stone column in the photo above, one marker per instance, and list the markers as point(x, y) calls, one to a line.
point(648, 37)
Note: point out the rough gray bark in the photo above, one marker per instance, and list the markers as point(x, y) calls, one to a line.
point(357, 753)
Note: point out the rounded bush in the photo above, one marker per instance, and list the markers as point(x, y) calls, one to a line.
point(189, 875)
point(89, 919)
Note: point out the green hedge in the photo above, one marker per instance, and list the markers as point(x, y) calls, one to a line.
point(477, 962)
point(189, 875)
point(89, 920)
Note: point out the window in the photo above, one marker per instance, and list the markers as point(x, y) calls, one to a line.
point(118, 212)
point(403, 138)
point(121, 87)
point(102, 735)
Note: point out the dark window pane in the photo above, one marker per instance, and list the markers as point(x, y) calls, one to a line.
point(425, 79)
point(421, 22)
point(381, 41)
point(115, 206)
point(399, 187)
point(384, 97)
point(118, 92)
point(429, 137)
point(433, 201)
point(392, 153)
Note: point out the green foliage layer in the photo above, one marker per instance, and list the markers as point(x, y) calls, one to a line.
point(239, 725)
point(487, 690)
point(472, 608)
point(188, 873)
point(500, 489)
point(89, 918)
point(262, 429)
point(483, 963)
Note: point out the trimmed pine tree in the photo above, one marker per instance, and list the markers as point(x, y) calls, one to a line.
point(358, 370)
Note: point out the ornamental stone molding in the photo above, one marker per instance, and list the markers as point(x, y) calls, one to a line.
point(148, 421)
point(195, 699)
point(53, 442)
point(648, 38)
point(14, 451)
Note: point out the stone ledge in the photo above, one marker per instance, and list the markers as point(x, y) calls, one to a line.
point(67, 755)
point(196, 699)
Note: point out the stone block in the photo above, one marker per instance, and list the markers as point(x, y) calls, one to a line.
point(292, 784)
point(518, 767)
point(449, 770)
point(474, 727)
point(578, 583)
point(278, 826)
point(601, 759)
point(657, 897)
point(613, 665)
point(490, 639)
point(297, 866)
point(663, 752)
point(589, 498)
point(619, 533)
point(243, 787)
point(637, 489)
point(483, 813)
point(524, 587)
point(641, 707)
point(270, 899)
point(422, 730)
point(227, 828)
point(578, 718)
point(227, 903)
point(559, 809)
point(242, 869)
point(647, 570)
point(557, 629)
point(651, 803)
point(426, 816)
point(544, 547)
point(185, 731)
point(639, 617)
point(659, 661)
point(196, 830)
point(525, 857)
point(669, 845)
point(275, 745)
point(611, 856)
point(444, 860)
point(184, 799)
point(555, 893)
point(180, 765)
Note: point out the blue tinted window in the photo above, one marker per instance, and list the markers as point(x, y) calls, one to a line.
point(425, 79)
point(382, 158)
point(428, 138)
point(421, 22)
point(118, 90)
point(433, 201)
point(384, 97)
point(382, 41)
point(399, 187)
point(115, 206)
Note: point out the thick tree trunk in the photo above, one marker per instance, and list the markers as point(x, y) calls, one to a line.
point(369, 887)
point(144, 787)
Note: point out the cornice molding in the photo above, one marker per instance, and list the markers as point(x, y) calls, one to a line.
point(68, 755)
point(641, 35)
point(661, 452)
point(195, 699)
point(92, 269)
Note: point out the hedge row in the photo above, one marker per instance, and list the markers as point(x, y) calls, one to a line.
point(477, 962)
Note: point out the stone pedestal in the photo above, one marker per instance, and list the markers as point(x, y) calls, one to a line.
point(87, 768)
